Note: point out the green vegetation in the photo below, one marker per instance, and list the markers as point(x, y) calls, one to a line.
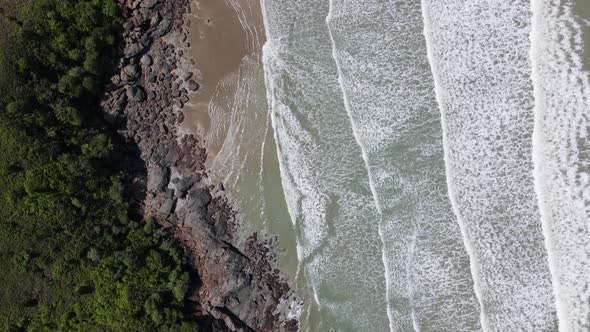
point(7, 11)
point(70, 256)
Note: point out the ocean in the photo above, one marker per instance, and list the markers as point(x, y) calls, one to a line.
point(424, 165)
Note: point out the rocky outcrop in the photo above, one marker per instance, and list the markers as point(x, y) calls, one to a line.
point(237, 290)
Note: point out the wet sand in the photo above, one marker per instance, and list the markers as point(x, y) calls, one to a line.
point(217, 40)
point(230, 114)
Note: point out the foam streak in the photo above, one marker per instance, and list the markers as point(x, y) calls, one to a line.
point(561, 149)
point(479, 54)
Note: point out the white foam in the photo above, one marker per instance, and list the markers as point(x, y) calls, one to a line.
point(324, 178)
point(561, 154)
point(450, 185)
point(387, 84)
point(366, 160)
point(479, 54)
point(388, 281)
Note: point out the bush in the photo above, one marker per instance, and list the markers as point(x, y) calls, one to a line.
point(70, 256)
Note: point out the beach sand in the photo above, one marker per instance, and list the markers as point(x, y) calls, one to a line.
point(230, 114)
point(220, 39)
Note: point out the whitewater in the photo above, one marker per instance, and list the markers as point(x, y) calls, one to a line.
point(434, 158)
point(562, 154)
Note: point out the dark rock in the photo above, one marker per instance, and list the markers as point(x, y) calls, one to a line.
point(186, 183)
point(120, 103)
point(142, 16)
point(158, 177)
point(133, 50)
point(128, 25)
point(193, 86)
point(136, 93)
point(167, 204)
point(149, 3)
point(116, 80)
point(180, 118)
point(198, 198)
point(187, 76)
point(162, 28)
point(131, 73)
point(146, 60)
point(164, 68)
point(155, 20)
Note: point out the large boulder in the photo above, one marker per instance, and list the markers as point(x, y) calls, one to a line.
point(136, 93)
point(133, 49)
point(146, 60)
point(193, 86)
point(131, 73)
point(149, 3)
point(158, 178)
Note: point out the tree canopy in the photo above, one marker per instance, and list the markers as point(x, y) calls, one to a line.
point(72, 258)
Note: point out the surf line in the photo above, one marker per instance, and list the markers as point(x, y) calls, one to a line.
point(439, 92)
point(365, 157)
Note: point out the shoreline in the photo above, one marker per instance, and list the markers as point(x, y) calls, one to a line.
point(230, 115)
point(235, 290)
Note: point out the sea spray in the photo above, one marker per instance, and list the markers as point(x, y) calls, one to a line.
point(561, 147)
point(324, 175)
point(381, 58)
point(485, 95)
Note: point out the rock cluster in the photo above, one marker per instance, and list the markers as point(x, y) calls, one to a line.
point(238, 290)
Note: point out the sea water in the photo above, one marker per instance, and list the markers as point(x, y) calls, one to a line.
point(380, 51)
point(562, 151)
point(362, 160)
point(425, 164)
point(479, 53)
point(323, 172)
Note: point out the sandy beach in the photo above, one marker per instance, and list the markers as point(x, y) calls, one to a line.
point(230, 115)
point(224, 33)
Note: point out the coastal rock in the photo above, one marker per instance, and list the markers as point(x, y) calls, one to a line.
point(136, 93)
point(120, 102)
point(168, 201)
point(187, 76)
point(146, 60)
point(186, 183)
point(158, 177)
point(131, 73)
point(149, 3)
point(156, 19)
point(193, 86)
point(134, 49)
point(197, 199)
point(180, 118)
point(161, 29)
point(238, 288)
